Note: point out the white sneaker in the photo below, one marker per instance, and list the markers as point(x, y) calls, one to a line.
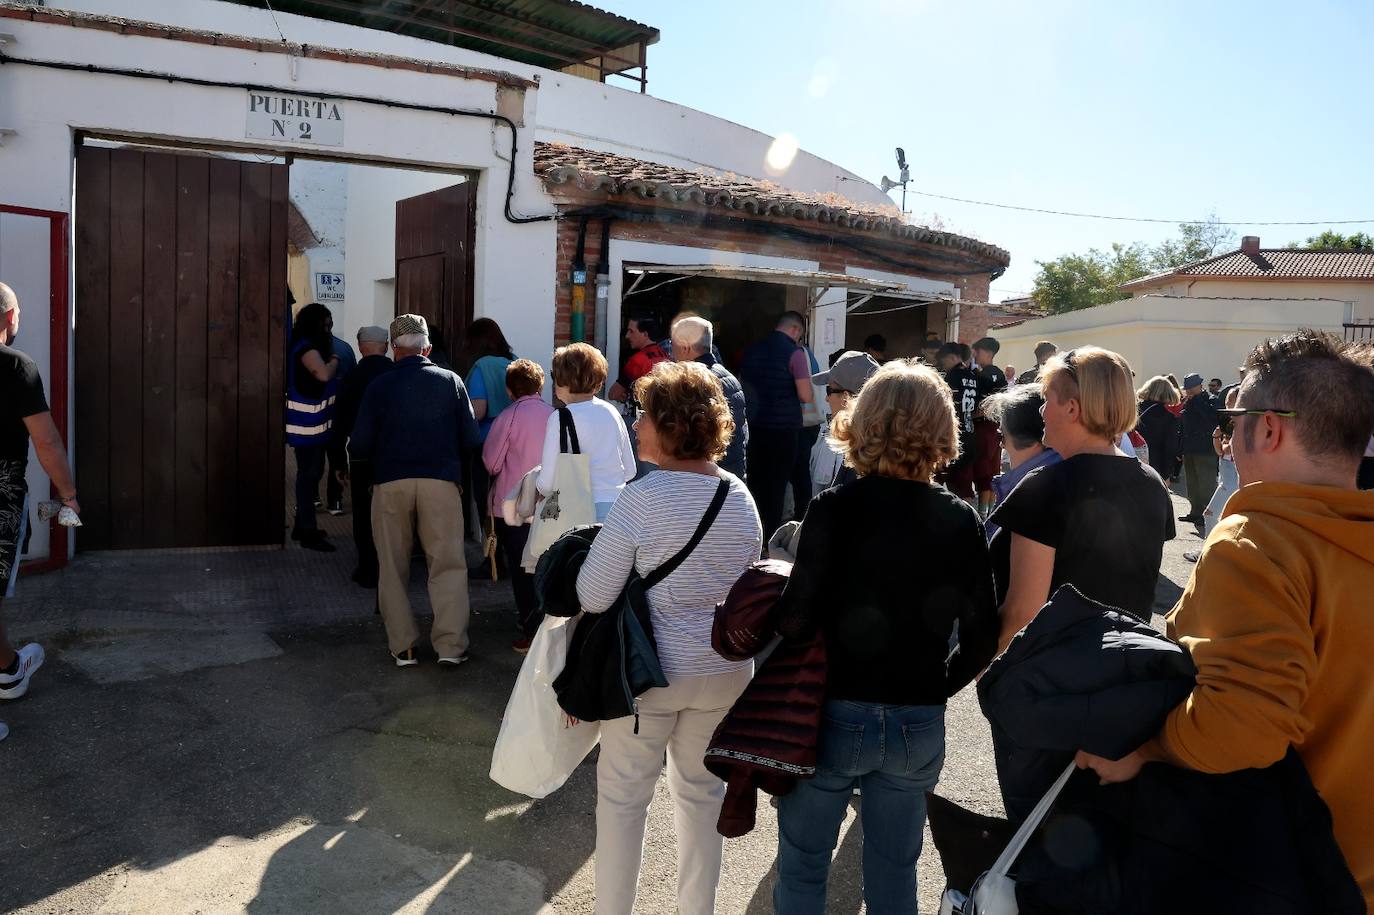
point(1192, 555)
point(454, 661)
point(14, 685)
point(406, 658)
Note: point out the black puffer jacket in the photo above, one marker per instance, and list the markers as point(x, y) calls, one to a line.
point(555, 577)
point(1081, 676)
point(1085, 676)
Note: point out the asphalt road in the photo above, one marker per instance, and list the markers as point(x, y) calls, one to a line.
point(223, 732)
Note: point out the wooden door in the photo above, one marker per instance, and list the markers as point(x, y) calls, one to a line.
point(180, 296)
point(434, 250)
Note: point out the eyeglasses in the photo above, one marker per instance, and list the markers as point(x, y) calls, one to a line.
point(832, 391)
point(1246, 411)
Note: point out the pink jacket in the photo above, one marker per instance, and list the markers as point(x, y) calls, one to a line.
point(515, 445)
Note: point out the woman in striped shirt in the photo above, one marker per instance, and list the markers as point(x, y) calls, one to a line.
point(684, 428)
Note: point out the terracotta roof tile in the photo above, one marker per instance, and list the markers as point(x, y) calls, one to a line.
point(1276, 263)
point(589, 170)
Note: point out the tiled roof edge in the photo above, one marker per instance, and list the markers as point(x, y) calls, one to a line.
point(766, 205)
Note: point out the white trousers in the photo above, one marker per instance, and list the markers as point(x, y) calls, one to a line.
point(680, 720)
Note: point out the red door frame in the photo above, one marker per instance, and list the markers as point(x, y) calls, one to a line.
point(59, 313)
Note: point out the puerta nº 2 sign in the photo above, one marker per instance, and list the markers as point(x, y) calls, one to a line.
point(295, 118)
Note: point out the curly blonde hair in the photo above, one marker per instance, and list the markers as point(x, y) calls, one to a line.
point(902, 424)
point(687, 406)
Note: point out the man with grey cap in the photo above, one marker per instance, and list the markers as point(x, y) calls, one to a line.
point(416, 427)
point(693, 341)
point(843, 381)
point(1200, 467)
point(372, 343)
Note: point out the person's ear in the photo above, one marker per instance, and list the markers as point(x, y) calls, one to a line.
point(425, 352)
point(1271, 432)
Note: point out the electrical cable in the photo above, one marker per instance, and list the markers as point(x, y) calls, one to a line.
point(1178, 222)
point(275, 22)
point(253, 87)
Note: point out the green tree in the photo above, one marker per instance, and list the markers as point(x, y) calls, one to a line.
point(1196, 241)
point(1335, 241)
point(1077, 281)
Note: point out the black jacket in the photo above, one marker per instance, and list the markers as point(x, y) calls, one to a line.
point(885, 570)
point(1159, 428)
point(1084, 676)
point(1199, 422)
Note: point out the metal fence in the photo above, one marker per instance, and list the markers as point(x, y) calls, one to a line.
point(1360, 332)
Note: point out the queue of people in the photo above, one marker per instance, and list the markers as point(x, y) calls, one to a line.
point(915, 581)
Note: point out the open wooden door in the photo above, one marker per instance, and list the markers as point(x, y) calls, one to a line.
point(180, 297)
point(435, 233)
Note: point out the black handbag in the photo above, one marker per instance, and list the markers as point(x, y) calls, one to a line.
point(613, 657)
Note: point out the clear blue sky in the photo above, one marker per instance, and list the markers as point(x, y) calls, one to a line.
point(1254, 110)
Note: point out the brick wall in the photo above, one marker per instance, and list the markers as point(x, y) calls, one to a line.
point(928, 261)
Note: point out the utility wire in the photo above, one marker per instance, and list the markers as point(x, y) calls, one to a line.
point(1182, 222)
point(275, 22)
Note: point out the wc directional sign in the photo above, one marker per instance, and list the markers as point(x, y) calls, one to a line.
point(295, 118)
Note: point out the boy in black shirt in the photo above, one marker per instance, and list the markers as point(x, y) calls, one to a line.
point(987, 462)
point(963, 386)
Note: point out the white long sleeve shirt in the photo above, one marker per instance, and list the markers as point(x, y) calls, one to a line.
point(602, 436)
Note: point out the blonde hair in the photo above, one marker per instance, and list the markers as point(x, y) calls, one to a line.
point(1100, 380)
point(902, 423)
point(580, 368)
point(686, 404)
point(1159, 389)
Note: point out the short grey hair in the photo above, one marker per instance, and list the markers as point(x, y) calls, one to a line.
point(1017, 412)
point(694, 332)
point(416, 342)
point(792, 320)
point(8, 300)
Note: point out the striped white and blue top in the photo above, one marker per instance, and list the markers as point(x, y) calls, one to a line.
point(652, 519)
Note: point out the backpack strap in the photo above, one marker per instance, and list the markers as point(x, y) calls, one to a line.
point(567, 430)
point(667, 568)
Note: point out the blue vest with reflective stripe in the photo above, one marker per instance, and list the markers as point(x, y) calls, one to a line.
point(308, 420)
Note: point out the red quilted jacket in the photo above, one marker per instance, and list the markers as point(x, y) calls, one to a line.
point(768, 740)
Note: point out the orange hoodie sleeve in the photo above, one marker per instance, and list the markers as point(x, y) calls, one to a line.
point(1247, 625)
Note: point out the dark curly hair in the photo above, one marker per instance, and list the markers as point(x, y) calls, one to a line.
point(686, 404)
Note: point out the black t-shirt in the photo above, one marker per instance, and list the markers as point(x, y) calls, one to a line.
point(1107, 517)
point(21, 395)
point(990, 381)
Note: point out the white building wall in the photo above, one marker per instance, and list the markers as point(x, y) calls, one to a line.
point(1162, 334)
point(577, 111)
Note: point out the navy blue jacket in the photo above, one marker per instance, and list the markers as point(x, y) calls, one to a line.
point(769, 387)
point(734, 396)
point(415, 422)
point(1199, 422)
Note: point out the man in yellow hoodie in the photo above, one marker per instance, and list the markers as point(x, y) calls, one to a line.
point(1278, 615)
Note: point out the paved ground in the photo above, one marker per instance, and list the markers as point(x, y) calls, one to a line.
point(222, 731)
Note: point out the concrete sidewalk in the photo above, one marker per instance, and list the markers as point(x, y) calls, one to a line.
point(223, 731)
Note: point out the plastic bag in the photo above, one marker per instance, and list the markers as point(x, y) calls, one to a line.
point(538, 746)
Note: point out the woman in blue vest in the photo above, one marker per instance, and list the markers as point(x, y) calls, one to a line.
point(310, 387)
point(486, 383)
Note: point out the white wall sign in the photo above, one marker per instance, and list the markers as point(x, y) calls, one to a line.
point(301, 118)
point(329, 287)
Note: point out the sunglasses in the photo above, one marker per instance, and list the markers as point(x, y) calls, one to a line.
point(832, 391)
point(1247, 411)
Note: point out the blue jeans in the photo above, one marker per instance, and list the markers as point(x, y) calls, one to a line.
point(894, 754)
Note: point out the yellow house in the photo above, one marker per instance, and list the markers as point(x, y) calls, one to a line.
point(1253, 272)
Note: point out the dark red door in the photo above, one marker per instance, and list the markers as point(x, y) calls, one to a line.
point(180, 298)
point(434, 249)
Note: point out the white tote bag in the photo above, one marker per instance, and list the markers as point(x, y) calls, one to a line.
point(994, 893)
point(537, 747)
point(570, 503)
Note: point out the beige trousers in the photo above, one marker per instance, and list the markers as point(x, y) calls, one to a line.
point(680, 719)
point(434, 508)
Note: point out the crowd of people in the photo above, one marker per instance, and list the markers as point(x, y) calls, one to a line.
point(954, 514)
